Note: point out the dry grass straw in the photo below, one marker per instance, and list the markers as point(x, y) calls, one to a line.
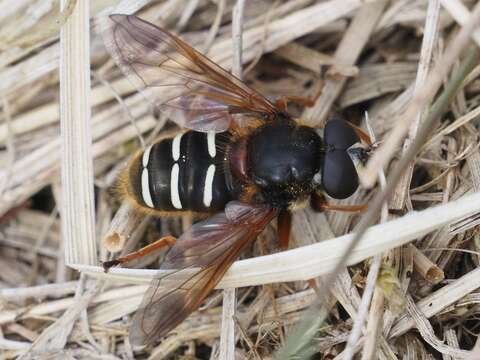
point(77, 207)
point(228, 336)
point(429, 42)
point(411, 289)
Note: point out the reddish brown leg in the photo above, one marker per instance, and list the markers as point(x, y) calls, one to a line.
point(345, 208)
point(284, 225)
point(282, 102)
point(164, 241)
point(320, 204)
point(361, 134)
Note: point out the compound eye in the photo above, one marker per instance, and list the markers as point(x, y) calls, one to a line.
point(338, 134)
point(339, 176)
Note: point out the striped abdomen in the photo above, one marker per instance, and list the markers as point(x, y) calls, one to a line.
point(184, 173)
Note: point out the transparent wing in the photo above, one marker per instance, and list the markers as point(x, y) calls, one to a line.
point(192, 90)
point(209, 247)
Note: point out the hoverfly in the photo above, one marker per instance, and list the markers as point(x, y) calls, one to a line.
point(242, 174)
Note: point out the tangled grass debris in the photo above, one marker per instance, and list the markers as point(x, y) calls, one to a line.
point(412, 287)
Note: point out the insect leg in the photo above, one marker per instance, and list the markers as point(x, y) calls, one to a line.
point(345, 208)
point(320, 204)
point(282, 102)
point(284, 225)
point(164, 241)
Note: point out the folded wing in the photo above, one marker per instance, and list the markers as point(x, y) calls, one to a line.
point(192, 90)
point(208, 248)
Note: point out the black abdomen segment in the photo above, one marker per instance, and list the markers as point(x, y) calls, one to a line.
point(184, 173)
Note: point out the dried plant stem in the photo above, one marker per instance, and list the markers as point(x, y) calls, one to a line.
point(305, 57)
point(373, 45)
point(51, 290)
point(45, 308)
point(461, 121)
point(425, 267)
point(227, 334)
point(188, 10)
point(428, 44)
point(227, 337)
point(56, 335)
point(475, 353)
point(280, 31)
point(423, 133)
point(452, 53)
point(237, 35)
point(439, 300)
point(215, 26)
point(375, 315)
point(10, 144)
point(362, 313)
point(311, 261)
point(347, 53)
point(424, 96)
point(125, 221)
point(77, 168)
point(428, 334)
point(373, 325)
point(452, 340)
point(49, 30)
point(461, 15)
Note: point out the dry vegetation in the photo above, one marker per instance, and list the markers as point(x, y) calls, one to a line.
point(411, 292)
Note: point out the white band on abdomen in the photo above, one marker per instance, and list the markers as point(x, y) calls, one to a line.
point(177, 140)
point(212, 150)
point(208, 191)
point(147, 198)
point(175, 195)
point(146, 156)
